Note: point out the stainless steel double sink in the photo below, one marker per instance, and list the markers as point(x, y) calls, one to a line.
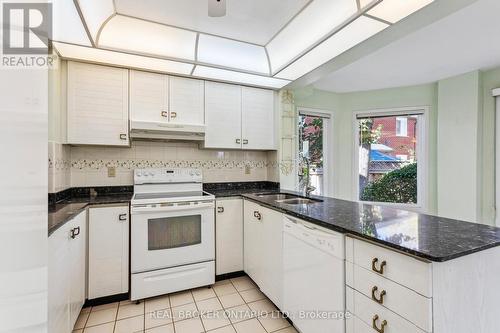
point(289, 199)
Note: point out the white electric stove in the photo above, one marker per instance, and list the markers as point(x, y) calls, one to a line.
point(172, 232)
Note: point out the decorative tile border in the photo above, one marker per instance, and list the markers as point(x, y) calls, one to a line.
point(130, 164)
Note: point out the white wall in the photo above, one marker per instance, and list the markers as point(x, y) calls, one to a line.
point(23, 200)
point(459, 147)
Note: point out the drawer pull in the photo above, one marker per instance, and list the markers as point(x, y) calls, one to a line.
point(220, 209)
point(75, 232)
point(123, 136)
point(379, 300)
point(382, 265)
point(122, 217)
point(257, 215)
point(375, 327)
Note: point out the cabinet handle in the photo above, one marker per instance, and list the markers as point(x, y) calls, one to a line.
point(164, 114)
point(75, 232)
point(375, 327)
point(238, 141)
point(122, 217)
point(123, 136)
point(382, 265)
point(220, 209)
point(257, 215)
point(173, 114)
point(379, 300)
point(245, 141)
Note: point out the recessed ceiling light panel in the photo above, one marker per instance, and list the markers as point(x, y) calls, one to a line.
point(237, 77)
point(395, 10)
point(134, 35)
point(316, 21)
point(230, 53)
point(105, 57)
point(353, 34)
point(95, 13)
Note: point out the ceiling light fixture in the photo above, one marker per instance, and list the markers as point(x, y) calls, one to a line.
point(216, 8)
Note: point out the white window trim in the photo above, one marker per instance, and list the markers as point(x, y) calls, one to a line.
point(327, 145)
point(422, 153)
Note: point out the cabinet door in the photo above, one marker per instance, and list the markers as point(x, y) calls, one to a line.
point(148, 97)
point(229, 236)
point(59, 279)
point(272, 259)
point(77, 262)
point(97, 105)
point(253, 249)
point(257, 113)
point(186, 101)
point(222, 115)
point(108, 251)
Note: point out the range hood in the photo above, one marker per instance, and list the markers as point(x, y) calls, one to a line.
point(166, 131)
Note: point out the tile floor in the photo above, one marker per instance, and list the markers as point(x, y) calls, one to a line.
point(230, 306)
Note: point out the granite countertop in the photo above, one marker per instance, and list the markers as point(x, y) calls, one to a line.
point(221, 190)
point(428, 237)
point(68, 203)
point(64, 210)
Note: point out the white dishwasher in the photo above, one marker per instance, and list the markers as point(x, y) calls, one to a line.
point(314, 279)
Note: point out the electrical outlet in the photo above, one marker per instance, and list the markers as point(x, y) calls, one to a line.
point(247, 169)
point(111, 172)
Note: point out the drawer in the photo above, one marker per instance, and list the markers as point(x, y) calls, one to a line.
point(373, 314)
point(356, 325)
point(395, 266)
point(401, 300)
point(169, 280)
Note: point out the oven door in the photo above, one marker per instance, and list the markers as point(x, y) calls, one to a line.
point(172, 235)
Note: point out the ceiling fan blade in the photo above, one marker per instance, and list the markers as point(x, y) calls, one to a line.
point(216, 8)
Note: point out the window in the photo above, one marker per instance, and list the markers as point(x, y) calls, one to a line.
point(390, 160)
point(312, 147)
point(401, 126)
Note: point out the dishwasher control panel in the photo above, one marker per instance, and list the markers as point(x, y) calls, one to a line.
point(326, 240)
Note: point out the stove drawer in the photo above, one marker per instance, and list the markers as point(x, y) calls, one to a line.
point(165, 281)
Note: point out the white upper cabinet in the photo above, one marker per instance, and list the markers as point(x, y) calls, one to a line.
point(257, 113)
point(222, 115)
point(148, 97)
point(97, 105)
point(239, 117)
point(187, 99)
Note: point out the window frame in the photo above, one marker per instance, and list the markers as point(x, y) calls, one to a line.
point(327, 116)
point(422, 153)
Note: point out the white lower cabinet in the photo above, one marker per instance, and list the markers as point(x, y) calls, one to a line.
point(66, 274)
point(229, 236)
point(263, 253)
point(108, 251)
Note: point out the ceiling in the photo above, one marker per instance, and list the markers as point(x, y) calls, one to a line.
point(266, 43)
point(252, 21)
point(464, 41)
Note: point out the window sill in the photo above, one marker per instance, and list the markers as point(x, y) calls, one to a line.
point(410, 207)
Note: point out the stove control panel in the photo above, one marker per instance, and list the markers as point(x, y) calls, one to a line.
point(167, 175)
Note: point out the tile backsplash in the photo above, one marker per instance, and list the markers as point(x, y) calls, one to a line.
point(59, 167)
point(89, 164)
